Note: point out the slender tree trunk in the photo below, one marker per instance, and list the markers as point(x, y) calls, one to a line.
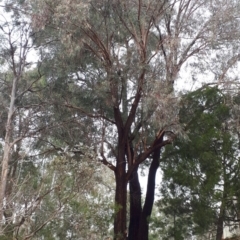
point(149, 200)
point(7, 149)
point(220, 219)
point(8, 213)
point(219, 234)
point(135, 206)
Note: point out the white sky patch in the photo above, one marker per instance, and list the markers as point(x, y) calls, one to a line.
point(143, 179)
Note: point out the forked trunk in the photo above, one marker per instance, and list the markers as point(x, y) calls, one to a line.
point(149, 200)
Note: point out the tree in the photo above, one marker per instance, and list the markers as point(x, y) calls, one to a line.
point(200, 173)
point(31, 188)
point(115, 64)
point(16, 44)
point(22, 121)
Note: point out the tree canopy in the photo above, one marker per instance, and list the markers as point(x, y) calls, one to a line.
point(102, 93)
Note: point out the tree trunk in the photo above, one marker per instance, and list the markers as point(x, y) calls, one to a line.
point(219, 234)
point(220, 219)
point(120, 231)
point(7, 149)
point(149, 200)
point(135, 206)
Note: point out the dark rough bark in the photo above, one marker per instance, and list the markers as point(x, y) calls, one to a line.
point(120, 209)
point(149, 200)
point(135, 205)
point(120, 231)
point(139, 218)
point(219, 228)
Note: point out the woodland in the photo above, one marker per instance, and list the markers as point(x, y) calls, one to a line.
point(96, 95)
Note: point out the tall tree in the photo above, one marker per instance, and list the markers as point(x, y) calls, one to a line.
point(114, 63)
point(21, 113)
point(200, 173)
point(16, 44)
point(34, 190)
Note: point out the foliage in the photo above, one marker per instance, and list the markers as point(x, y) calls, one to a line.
point(105, 77)
point(65, 197)
point(115, 64)
point(200, 172)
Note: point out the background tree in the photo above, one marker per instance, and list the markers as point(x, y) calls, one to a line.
point(33, 190)
point(16, 43)
point(200, 187)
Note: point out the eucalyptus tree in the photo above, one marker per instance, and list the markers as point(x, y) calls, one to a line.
point(114, 64)
point(15, 46)
point(29, 183)
point(20, 106)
